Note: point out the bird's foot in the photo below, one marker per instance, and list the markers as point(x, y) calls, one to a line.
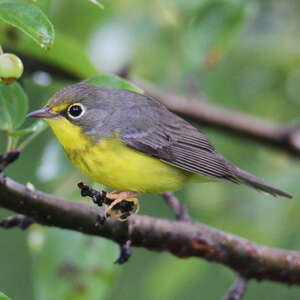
point(118, 205)
point(122, 205)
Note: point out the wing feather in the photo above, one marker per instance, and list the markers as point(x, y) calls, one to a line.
point(181, 145)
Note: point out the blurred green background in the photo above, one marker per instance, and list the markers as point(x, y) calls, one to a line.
point(242, 55)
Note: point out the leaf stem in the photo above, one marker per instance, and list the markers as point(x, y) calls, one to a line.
point(9, 143)
point(30, 138)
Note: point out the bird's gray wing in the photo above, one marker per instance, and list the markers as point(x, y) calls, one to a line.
point(176, 142)
point(171, 139)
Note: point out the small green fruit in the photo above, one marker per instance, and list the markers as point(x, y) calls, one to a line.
point(11, 67)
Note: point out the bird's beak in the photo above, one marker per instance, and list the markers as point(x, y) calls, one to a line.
point(44, 113)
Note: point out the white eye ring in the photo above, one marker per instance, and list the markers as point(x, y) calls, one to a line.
point(76, 111)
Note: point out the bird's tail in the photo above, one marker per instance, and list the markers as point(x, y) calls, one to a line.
point(259, 184)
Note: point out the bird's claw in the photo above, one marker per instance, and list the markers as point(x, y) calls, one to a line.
point(122, 208)
point(117, 205)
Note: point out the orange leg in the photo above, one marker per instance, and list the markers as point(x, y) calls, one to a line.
point(121, 195)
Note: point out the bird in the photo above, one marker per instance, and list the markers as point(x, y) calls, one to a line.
point(133, 144)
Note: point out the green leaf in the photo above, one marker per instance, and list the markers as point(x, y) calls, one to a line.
point(13, 106)
point(112, 81)
point(30, 19)
point(97, 3)
point(3, 297)
point(67, 54)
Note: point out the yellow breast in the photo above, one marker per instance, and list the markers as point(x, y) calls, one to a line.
point(113, 164)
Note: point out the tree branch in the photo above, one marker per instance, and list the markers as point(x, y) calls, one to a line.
point(183, 239)
point(8, 158)
point(178, 208)
point(23, 222)
point(125, 252)
point(238, 289)
point(202, 111)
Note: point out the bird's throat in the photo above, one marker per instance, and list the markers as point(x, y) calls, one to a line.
point(69, 135)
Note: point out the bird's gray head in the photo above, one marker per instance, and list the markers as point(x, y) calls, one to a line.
point(84, 105)
point(98, 111)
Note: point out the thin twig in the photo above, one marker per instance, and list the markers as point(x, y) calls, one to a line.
point(238, 289)
point(178, 208)
point(125, 252)
point(8, 158)
point(23, 222)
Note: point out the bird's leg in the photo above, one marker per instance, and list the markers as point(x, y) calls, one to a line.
point(122, 206)
point(118, 205)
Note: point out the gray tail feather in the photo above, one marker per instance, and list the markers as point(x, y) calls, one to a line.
point(259, 184)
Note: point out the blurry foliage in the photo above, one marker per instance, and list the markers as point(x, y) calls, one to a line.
point(115, 82)
point(243, 55)
point(3, 297)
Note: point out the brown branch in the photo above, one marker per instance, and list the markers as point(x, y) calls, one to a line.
point(8, 158)
point(200, 110)
point(125, 252)
point(178, 208)
point(23, 222)
point(183, 239)
point(238, 289)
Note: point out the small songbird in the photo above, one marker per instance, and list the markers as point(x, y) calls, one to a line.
point(133, 144)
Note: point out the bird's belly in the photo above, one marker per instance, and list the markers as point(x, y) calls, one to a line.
point(114, 164)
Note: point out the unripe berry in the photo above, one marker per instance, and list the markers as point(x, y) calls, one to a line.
point(11, 67)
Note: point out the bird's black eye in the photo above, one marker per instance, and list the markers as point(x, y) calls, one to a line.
point(75, 111)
